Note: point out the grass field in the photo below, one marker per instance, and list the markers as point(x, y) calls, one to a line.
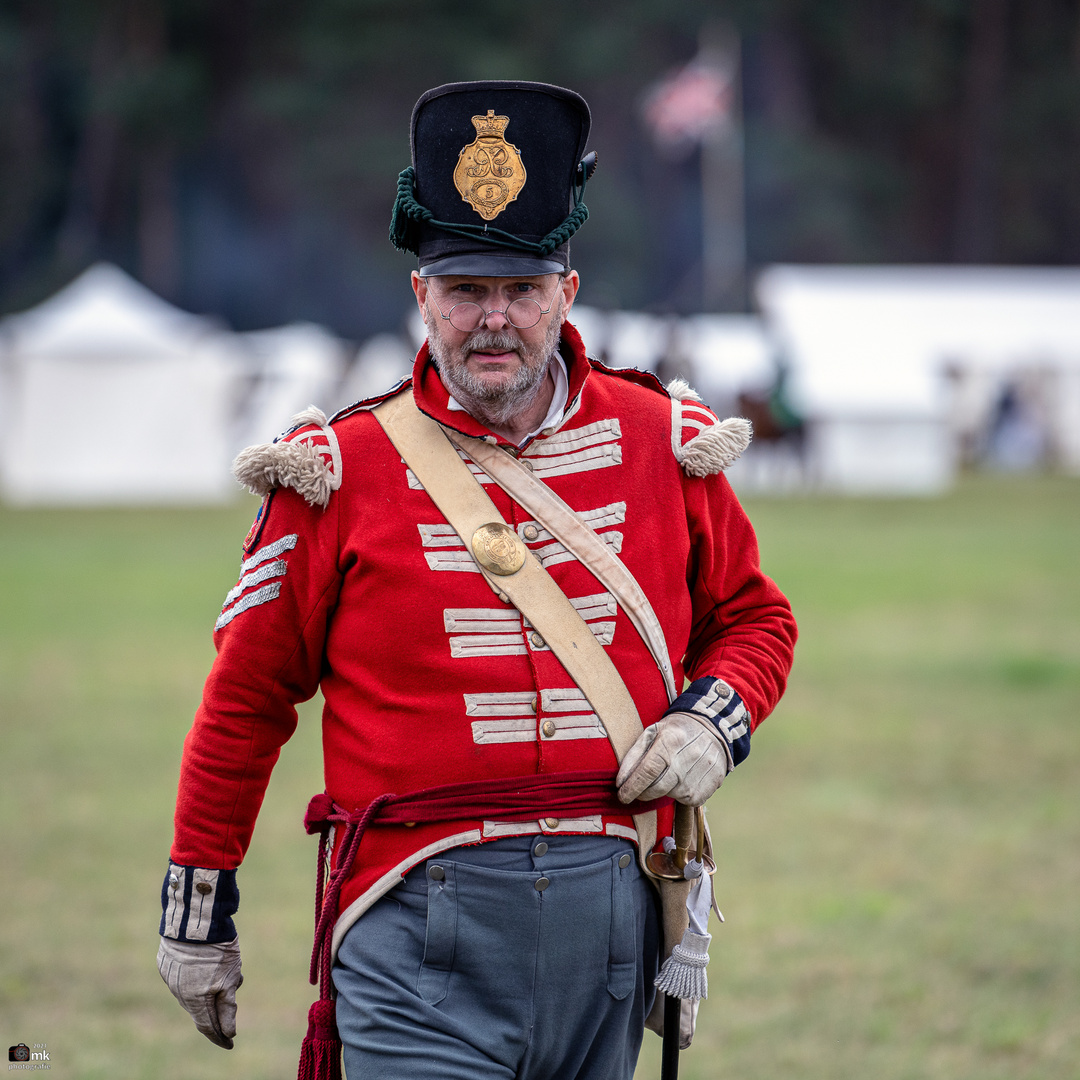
point(899, 857)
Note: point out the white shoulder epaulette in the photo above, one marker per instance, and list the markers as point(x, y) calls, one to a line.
point(717, 444)
point(308, 462)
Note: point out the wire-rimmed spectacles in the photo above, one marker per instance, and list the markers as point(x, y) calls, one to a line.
point(522, 313)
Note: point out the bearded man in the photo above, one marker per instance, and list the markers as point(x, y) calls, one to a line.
point(500, 373)
point(492, 818)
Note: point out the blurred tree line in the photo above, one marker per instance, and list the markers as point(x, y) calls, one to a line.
point(240, 157)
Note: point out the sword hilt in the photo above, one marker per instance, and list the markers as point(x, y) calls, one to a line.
point(682, 831)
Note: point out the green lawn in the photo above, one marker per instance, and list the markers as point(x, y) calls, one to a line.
point(899, 857)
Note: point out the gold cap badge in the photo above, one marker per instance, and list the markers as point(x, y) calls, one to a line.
point(498, 549)
point(489, 173)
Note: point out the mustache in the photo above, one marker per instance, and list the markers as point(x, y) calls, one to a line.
point(499, 340)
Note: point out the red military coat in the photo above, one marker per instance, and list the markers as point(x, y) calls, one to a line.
point(428, 679)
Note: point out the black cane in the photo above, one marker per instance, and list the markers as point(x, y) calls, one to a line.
point(683, 833)
point(669, 1053)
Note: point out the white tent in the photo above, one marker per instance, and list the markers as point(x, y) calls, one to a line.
point(884, 359)
point(291, 367)
point(381, 361)
point(723, 355)
point(112, 395)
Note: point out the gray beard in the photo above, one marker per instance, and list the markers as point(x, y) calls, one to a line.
point(491, 405)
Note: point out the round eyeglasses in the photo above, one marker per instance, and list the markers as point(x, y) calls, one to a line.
point(522, 313)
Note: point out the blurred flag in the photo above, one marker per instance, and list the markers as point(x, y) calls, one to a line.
point(690, 105)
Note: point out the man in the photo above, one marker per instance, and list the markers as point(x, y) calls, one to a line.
point(488, 938)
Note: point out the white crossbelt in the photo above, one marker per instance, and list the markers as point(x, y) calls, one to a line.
point(565, 525)
point(446, 478)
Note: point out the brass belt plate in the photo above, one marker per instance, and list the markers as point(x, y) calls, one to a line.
point(498, 549)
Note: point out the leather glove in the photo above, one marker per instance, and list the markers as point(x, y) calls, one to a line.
point(681, 755)
point(204, 978)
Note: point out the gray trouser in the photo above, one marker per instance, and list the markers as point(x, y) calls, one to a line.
point(474, 968)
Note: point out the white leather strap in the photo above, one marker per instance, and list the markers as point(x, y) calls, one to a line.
point(565, 525)
point(464, 503)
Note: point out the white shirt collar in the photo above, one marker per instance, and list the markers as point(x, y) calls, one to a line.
point(557, 367)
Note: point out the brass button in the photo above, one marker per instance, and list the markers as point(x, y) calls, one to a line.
point(540, 850)
point(527, 463)
point(548, 728)
point(531, 532)
point(551, 822)
point(541, 884)
point(624, 861)
point(537, 640)
point(204, 887)
point(436, 873)
point(532, 705)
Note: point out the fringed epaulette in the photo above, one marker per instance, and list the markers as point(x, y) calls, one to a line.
point(306, 458)
point(702, 443)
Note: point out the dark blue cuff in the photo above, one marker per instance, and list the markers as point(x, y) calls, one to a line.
point(715, 701)
point(197, 905)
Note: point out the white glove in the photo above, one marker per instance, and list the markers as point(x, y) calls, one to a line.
point(681, 755)
point(204, 978)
